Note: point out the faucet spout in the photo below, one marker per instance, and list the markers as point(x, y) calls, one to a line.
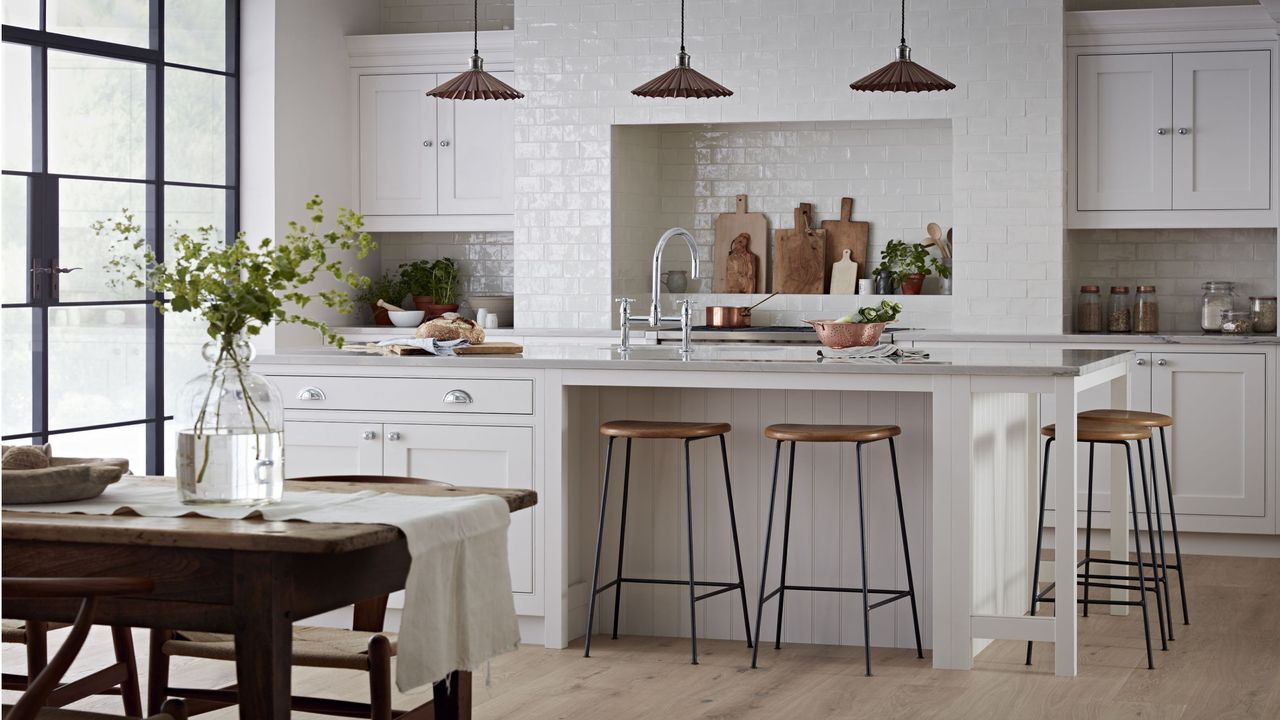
point(655, 308)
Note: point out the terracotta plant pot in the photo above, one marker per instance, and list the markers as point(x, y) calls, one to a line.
point(912, 284)
point(435, 311)
point(380, 316)
point(423, 303)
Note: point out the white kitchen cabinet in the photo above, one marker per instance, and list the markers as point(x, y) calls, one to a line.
point(476, 156)
point(332, 448)
point(398, 145)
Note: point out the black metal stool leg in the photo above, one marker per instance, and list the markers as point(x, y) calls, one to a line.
point(1137, 544)
point(622, 537)
point(786, 543)
point(768, 538)
point(862, 549)
point(595, 574)
point(1156, 575)
point(1088, 530)
point(1035, 559)
point(906, 549)
point(737, 549)
point(1173, 524)
point(693, 590)
point(1155, 498)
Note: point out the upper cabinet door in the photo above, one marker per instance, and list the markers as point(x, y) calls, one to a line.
point(1124, 132)
point(1222, 126)
point(477, 156)
point(397, 145)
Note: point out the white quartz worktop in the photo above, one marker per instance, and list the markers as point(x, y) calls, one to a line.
point(732, 358)
point(1099, 338)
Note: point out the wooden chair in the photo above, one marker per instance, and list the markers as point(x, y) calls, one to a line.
point(44, 691)
point(364, 647)
point(121, 677)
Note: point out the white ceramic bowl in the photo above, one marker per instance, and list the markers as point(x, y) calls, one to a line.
point(406, 318)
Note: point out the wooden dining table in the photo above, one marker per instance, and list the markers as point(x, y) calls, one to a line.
point(252, 578)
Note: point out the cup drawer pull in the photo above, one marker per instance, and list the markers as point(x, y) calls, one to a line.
point(457, 397)
point(311, 393)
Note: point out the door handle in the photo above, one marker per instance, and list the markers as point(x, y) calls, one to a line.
point(1140, 362)
point(1162, 362)
point(311, 393)
point(393, 436)
point(444, 143)
point(457, 397)
point(1162, 131)
point(369, 435)
point(1184, 131)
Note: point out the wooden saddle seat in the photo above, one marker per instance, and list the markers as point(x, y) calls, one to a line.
point(1094, 431)
point(661, 429)
point(51, 713)
point(16, 631)
point(312, 646)
point(793, 432)
point(1127, 417)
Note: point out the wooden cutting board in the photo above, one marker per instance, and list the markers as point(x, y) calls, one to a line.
point(846, 234)
point(491, 348)
point(729, 226)
point(799, 257)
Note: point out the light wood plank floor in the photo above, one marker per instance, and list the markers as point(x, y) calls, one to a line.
point(1225, 665)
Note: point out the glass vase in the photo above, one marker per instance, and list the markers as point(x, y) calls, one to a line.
point(230, 436)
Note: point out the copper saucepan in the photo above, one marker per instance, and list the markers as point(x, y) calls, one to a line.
point(728, 316)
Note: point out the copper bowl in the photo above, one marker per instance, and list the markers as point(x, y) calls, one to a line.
point(839, 336)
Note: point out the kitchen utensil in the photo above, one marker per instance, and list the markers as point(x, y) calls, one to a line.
point(677, 281)
point(846, 234)
point(741, 267)
point(844, 275)
point(491, 348)
point(837, 335)
point(729, 226)
point(727, 316)
point(406, 318)
point(799, 256)
point(388, 306)
point(935, 240)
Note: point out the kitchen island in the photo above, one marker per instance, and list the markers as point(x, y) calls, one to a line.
point(970, 431)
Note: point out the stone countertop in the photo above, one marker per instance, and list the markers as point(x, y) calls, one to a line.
point(1095, 339)
point(743, 357)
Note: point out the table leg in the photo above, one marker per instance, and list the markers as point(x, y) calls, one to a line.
point(263, 638)
point(1064, 534)
point(452, 696)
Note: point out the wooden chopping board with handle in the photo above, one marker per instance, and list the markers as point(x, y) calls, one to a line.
point(846, 234)
point(799, 257)
point(729, 226)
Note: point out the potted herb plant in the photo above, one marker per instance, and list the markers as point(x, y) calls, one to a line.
point(908, 265)
point(230, 419)
point(444, 287)
point(390, 288)
point(417, 280)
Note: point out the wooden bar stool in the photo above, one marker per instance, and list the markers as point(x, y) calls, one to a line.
point(689, 432)
point(1156, 421)
point(1099, 433)
point(859, 435)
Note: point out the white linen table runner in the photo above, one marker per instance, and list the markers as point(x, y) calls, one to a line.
point(458, 609)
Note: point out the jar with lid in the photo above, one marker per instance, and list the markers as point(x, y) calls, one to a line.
point(1146, 311)
point(1262, 311)
point(1089, 310)
point(1236, 322)
point(1219, 297)
point(1119, 310)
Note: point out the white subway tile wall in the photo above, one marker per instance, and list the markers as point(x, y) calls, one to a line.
point(418, 16)
point(1177, 262)
point(485, 260)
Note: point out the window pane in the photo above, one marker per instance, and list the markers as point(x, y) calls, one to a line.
point(97, 116)
point(184, 336)
point(17, 116)
point(195, 127)
point(15, 204)
point(80, 204)
point(97, 365)
point(127, 22)
point(15, 371)
point(195, 33)
point(188, 209)
point(23, 13)
point(129, 442)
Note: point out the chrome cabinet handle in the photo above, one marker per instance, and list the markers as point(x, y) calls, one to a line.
point(369, 435)
point(393, 436)
point(311, 393)
point(1162, 131)
point(426, 143)
point(1140, 362)
point(457, 397)
point(1162, 362)
point(444, 143)
point(1184, 131)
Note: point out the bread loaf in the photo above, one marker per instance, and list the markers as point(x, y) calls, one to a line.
point(451, 326)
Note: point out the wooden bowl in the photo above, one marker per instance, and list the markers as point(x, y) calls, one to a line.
point(65, 480)
point(839, 336)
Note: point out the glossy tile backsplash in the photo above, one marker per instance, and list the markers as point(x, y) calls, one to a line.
point(485, 259)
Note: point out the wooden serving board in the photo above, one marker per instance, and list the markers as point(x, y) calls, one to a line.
point(799, 257)
point(727, 227)
point(846, 233)
point(491, 348)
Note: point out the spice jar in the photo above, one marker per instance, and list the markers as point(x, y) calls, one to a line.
point(1219, 297)
point(1089, 310)
point(1262, 311)
point(1146, 311)
point(1119, 310)
point(1235, 322)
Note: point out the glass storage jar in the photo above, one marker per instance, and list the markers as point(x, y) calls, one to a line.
point(1146, 311)
point(1219, 297)
point(1262, 311)
point(1089, 310)
point(1119, 310)
point(1236, 322)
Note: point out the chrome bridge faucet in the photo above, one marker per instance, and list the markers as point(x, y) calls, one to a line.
point(655, 317)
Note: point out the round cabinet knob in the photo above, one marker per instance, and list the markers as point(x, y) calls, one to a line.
point(393, 436)
point(444, 143)
point(1184, 131)
point(1140, 362)
point(1162, 131)
point(426, 143)
point(369, 435)
point(457, 397)
point(1162, 362)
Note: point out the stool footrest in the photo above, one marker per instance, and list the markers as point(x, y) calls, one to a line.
point(1094, 601)
point(897, 594)
point(724, 586)
point(713, 593)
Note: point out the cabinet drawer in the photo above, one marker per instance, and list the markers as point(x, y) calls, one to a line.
point(442, 395)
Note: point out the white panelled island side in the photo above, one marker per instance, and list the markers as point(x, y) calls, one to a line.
point(969, 419)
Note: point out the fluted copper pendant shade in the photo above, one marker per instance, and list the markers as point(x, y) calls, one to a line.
point(476, 84)
point(903, 74)
point(682, 82)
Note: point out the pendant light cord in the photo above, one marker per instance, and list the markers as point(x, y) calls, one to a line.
point(903, 40)
point(682, 25)
point(475, 27)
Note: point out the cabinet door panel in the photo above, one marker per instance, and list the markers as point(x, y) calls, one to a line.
point(331, 448)
point(397, 166)
point(1223, 101)
point(477, 167)
point(486, 456)
point(1217, 445)
point(1121, 161)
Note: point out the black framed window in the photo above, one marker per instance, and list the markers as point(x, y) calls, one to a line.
point(107, 105)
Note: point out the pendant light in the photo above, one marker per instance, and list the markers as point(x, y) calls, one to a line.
point(903, 75)
point(475, 83)
point(682, 81)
